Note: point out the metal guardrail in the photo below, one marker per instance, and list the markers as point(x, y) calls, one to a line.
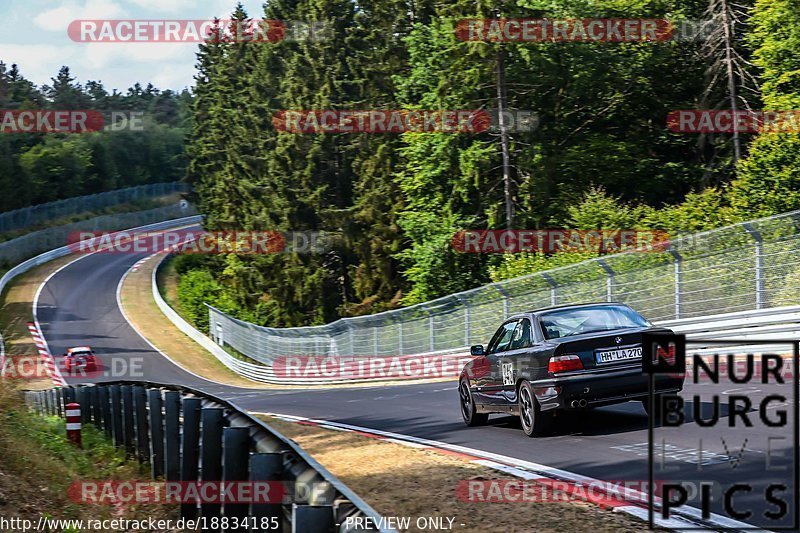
point(747, 267)
point(187, 435)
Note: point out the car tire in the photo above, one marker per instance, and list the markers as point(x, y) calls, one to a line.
point(468, 411)
point(535, 422)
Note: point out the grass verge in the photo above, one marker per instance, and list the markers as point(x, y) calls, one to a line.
point(140, 308)
point(398, 480)
point(38, 466)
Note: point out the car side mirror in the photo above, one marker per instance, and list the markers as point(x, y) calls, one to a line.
point(476, 350)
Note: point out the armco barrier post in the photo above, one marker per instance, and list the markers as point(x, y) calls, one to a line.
point(156, 433)
point(172, 436)
point(55, 404)
point(235, 452)
point(68, 394)
point(105, 409)
point(46, 403)
point(190, 449)
point(97, 413)
point(317, 518)
point(80, 397)
point(211, 453)
point(267, 467)
point(128, 420)
point(142, 435)
point(116, 415)
point(73, 415)
point(91, 404)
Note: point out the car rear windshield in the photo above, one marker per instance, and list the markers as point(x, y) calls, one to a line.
point(591, 319)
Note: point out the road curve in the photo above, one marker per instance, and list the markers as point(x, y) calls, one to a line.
point(78, 305)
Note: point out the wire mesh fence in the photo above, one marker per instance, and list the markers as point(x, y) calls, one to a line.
point(747, 266)
point(31, 244)
point(43, 213)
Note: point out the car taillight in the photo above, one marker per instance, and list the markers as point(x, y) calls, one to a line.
point(564, 363)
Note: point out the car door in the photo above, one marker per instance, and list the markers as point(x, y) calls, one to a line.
point(492, 390)
point(510, 359)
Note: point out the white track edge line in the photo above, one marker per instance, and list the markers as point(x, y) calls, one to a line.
point(689, 512)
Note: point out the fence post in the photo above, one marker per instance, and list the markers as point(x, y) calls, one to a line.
point(235, 450)
point(191, 445)
point(211, 453)
point(506, 300)
point(553, 288)
point(128, 420)
point(759, 251)
point(431, 332)
point(142, 435)
point(156, 433)
point(116, 415)
point(267, 467)
point(172, 436)
point(678, 280)
point(609, 279)
point(465, 303)
point(400, 336)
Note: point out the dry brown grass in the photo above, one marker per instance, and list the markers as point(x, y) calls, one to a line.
point(398, 480)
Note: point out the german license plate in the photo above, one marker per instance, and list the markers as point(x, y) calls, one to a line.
point(618, 354)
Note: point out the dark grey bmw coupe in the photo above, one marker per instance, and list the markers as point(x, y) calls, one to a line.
point(570, 357)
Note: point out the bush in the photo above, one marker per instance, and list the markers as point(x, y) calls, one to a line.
point(194, 289)
point(183, 263)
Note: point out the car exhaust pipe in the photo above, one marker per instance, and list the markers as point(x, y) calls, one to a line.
point(574, 404)
point(582, 403)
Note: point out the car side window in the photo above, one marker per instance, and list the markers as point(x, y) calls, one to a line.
point(522, 335)
point(502, 339)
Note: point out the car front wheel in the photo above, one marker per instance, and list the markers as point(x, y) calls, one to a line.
point(468, 412)
point(535, 423)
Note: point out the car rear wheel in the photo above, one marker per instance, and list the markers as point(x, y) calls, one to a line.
point(535, 423)
point(468, 412)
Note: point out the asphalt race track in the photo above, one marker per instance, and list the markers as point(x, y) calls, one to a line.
point(78, 306)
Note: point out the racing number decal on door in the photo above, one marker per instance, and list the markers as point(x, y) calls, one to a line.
point(508, 373)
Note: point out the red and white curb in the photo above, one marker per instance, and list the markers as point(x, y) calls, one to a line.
point(140, 262)
point(617, 497)
point(46, 356)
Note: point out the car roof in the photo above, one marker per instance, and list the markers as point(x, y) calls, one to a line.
point(80, 349)
point(566, 306)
